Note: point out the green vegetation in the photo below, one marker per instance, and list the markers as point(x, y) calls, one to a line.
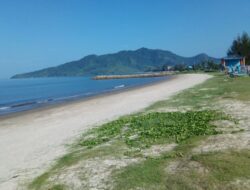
point(129, 136)
point(155, 128)
point(140, 131)
point(151, 173)
point(146, 175)
point(57, 187)
point(218, 170)
point(219, 163)
point(123, 62)
point(205, 65)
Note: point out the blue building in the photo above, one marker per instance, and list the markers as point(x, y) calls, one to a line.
point(234, 65)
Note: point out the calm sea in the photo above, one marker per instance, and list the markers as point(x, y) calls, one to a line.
point(24, 94)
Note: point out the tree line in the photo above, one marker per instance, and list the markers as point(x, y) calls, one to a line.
point(240, 47)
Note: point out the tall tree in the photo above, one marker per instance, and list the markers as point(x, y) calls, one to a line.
point(241, 47)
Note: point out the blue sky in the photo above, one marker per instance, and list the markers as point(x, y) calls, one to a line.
point(35, 34)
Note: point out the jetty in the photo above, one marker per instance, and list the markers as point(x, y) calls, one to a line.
point(143, 75)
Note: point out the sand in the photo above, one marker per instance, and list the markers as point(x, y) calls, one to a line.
point(31, 141)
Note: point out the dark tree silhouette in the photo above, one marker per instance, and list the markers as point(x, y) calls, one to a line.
point(241, 47)
point(207, 66)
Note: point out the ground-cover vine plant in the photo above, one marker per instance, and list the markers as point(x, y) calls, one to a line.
point(154, 128)
point(137, 132)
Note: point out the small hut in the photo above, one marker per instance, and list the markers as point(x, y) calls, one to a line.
point(234, 65)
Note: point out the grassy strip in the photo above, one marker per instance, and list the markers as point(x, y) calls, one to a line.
point(220, 86)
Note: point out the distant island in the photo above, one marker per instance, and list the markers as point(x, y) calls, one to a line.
point(123, 62)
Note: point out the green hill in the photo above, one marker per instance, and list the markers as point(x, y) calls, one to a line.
point(123, 62)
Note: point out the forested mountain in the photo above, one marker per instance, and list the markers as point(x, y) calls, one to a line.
point(123, 62)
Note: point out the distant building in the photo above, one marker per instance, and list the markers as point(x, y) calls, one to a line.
point(234, 65)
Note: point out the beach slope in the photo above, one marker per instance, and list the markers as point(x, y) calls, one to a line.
point(31, 141)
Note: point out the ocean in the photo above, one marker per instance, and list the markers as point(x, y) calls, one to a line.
point(24, 94)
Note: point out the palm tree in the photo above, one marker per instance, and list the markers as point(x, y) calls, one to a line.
point(241, 47)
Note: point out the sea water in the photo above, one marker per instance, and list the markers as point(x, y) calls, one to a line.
point(24, 94)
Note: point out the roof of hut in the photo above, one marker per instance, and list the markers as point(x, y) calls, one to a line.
point(233, 57)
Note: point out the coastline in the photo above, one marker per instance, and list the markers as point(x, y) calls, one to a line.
point(31, 141)
point(84, 98)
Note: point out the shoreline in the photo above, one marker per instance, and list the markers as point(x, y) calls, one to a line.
point(31, 141)
point(83, 98)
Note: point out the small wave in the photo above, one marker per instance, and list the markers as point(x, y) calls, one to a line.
point(120, 86)
point(88, 93)
point(4, 108)
point(67, 97)
point(45, 101)
point(73, 96)
point(23, 104)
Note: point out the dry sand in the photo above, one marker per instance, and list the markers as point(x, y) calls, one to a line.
point(30, 142)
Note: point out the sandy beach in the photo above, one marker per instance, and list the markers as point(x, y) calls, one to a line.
point(31, 141)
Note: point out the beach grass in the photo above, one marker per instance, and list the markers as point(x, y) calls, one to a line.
point(200, 96)
point(74, 156)
point(217, 170)
point(151, 173)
